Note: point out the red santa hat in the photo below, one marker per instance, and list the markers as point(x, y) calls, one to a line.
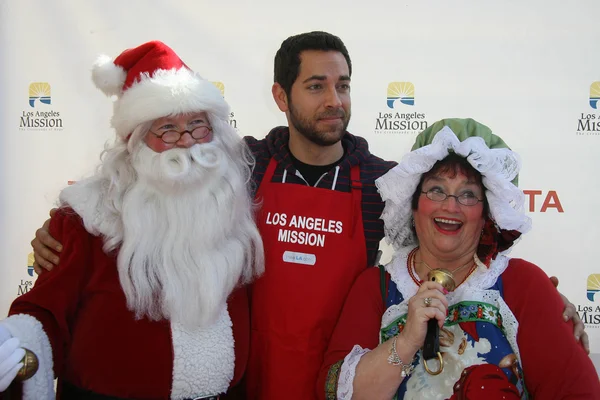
point(150, 82)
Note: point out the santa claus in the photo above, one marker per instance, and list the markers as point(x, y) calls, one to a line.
point(148, 299)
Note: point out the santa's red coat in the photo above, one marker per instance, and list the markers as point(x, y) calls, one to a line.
point(97, 344)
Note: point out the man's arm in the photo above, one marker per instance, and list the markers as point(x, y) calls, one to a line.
point(44, 248)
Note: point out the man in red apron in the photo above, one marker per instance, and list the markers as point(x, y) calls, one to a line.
point(319, 218)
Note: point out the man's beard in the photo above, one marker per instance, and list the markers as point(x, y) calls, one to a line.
point(188, 234)
point(308, 126)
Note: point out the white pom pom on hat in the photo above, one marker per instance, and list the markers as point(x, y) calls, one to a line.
point(107, 76)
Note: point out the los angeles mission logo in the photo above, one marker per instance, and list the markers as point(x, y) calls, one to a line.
point(303, 230)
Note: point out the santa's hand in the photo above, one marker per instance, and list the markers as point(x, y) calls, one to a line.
point(11, 355)
point(428, 303)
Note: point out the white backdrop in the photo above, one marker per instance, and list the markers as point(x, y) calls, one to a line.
point(526, 69)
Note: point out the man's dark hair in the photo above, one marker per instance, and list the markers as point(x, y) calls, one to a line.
point(287, 59)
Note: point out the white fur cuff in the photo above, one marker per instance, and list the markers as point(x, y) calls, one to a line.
point(32, 336)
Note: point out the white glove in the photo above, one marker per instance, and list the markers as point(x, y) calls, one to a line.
point(10, 357)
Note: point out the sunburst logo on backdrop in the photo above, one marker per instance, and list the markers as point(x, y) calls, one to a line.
point(595, 95)
point(30, 260)
point(593, 286)
point(39, 91)
point(220, 86)
point(402, 91)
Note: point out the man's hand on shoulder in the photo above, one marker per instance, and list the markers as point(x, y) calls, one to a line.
point(44, 248)
point(570, 313)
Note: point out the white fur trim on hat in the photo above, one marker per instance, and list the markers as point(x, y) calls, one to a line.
point(107, 76)
point(497, 167)
point(166, 92)
point(31, 333)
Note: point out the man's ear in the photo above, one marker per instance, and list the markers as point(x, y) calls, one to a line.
point(280, 97)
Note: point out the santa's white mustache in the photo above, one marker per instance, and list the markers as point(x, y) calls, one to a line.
point(175, 163)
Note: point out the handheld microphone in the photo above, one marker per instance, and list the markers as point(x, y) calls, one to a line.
point(431, 347)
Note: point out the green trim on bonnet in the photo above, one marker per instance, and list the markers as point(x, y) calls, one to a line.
point(463, 128)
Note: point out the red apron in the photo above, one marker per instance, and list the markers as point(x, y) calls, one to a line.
point(314, 250)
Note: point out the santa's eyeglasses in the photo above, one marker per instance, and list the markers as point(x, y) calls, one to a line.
point(171, 137)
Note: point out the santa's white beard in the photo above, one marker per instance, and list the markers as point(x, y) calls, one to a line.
point(188, 234)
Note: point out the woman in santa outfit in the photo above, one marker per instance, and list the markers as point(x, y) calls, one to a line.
point(451, 211)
